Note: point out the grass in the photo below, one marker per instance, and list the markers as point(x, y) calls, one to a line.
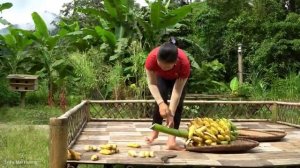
point(37, 114)
point(23, 146)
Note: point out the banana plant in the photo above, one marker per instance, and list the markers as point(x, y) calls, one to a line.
point(14, 46)
point(160, 18)
point(48, 61)
point(117, 25)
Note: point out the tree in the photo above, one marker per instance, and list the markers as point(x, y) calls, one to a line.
point(46, 61)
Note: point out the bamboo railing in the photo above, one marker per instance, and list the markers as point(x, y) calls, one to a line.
point(64, 130)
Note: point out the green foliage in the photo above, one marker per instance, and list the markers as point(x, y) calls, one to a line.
point(15, 42)
point(135, 73)
point(6, 96)
point(205, 79)
point(234, 86)
point(99, 47)
point(38, 97)
point(85, 72)
point(154, 24)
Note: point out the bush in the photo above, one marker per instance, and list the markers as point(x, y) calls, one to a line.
point(7, 97)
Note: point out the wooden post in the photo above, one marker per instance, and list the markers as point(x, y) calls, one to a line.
point(87, 110)
point(58, 142)
point(240, 64)
point(274, 110)
point(22, 103)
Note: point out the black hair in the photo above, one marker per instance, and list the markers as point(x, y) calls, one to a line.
point(168, 52)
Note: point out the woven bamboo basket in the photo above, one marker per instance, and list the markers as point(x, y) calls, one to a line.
point(262, 135)
point(239, 145)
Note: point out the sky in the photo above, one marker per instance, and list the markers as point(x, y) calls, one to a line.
point(21, 11)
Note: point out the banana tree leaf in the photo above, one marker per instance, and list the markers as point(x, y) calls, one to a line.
point(10, 40)
point(175, 16)
point(4, 6)
point(52, 41)
point(101, 14)
point(155, 15)
point(106, 36)
point(110, 7)
point(40, 26)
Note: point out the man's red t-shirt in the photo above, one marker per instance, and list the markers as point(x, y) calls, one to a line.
point(180, 70)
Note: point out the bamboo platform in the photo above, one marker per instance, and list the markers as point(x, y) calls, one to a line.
point(267, 154)
point(96, 122)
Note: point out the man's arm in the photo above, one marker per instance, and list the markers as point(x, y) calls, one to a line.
point(152, 84)
point(176, 94)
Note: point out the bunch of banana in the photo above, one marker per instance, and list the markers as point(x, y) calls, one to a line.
point(146, 154)
point(73, 155)
point(142, 154)
point(89, 148)
point(207, 131)
point(108, 149)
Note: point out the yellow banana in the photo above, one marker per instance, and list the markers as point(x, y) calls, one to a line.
point(107, 151)
point(208, 141)
point(72, 155)
point(88, 148)
point(151, 154)
point(212, 137)
point(134, 145)
point(132, 153)
point(191, 131)
point(227, 137)
point(197, 139)
point(94, 157)
point(142, 154)
point(221, 137)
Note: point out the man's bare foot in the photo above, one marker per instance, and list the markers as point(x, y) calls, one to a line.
point(152, 137)
point(175, 147)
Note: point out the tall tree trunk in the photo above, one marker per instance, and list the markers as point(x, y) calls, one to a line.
point(50, 91)
point(63, 100)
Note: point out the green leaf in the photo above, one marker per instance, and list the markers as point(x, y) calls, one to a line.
point(40, 25)
point(10, 40)
point(175, 16)
point(155, 15)
point(58, 63)
point(110, 8)
point(146, 26)
point(4, 6)
point(168, 4)
point(52, 41)
point(98, 13)
point(4, 22)
point(113, 57)
point(234, 84)
point(106, 36)
point(87, 37)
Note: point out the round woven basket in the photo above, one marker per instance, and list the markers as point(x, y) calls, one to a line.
point(239, 145)
point(262, 135)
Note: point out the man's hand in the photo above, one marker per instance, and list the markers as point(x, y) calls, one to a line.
point(163, 109)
